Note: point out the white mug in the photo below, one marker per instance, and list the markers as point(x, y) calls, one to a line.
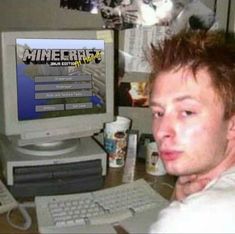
point(154, 164)
point(116, 140)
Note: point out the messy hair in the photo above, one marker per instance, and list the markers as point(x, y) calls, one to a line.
point(198, 50)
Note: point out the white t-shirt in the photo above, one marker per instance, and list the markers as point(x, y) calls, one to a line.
point(210, 211)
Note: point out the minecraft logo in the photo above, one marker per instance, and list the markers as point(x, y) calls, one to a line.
point(62, 57)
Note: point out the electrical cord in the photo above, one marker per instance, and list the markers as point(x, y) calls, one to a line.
point(168, 185)
point(27, 219)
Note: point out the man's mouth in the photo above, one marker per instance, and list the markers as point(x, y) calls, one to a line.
point(170, 155)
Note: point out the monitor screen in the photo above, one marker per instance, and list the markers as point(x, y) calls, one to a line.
point(57, 77)
point(55, 84)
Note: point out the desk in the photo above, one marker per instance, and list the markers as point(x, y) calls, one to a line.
point(113, 178)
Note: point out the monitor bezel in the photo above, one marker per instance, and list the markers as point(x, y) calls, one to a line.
point(50, 129)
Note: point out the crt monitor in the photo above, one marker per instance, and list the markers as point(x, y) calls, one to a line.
point(55, 85)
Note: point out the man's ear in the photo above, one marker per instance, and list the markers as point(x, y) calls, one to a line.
point(231, 128)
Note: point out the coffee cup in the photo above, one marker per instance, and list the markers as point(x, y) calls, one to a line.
point(154, 164)
point(116, 140)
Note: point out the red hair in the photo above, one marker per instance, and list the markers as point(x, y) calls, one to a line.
point(198, 50)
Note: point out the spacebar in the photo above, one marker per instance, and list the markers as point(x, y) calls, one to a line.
point(111, 218)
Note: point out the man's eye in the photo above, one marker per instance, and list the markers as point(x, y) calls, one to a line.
point(187, 113)
point(158, 114)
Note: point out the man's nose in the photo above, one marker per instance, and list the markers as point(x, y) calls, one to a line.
point(165, 128)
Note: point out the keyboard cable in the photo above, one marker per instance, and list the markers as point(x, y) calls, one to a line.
point(22, 207)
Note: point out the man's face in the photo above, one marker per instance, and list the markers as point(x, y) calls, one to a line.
point(188, 122)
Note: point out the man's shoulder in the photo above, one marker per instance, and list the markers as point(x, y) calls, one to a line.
point(217, 195)
point(207, 211)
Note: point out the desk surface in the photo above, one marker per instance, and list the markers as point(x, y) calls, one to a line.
point(113, 178)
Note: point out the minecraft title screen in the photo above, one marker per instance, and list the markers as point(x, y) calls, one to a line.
point(60, 77)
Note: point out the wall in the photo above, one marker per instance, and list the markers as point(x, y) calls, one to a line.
point(43, 14)
point(232, 17)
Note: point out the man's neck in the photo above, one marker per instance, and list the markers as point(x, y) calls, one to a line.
point(227, 163)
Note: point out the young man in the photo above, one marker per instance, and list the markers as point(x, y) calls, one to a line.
point(192, 97)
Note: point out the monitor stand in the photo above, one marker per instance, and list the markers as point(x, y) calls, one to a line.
point(53, 160)
point(50, 148)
